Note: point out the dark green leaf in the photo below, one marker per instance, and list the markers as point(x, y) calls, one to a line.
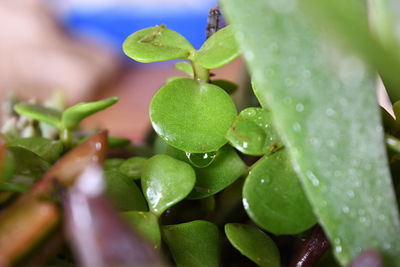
point(157, 44)
point(323, 103)
point(114, 141)
point(252, 132)
point(72, 116)
point(40, 113)
point(47, 149)
point(132, 167)
point(185, 67)
point(192, 116)
point(166, 181)
point(253, 243)
point(124, 193)
point(146, 224)
point(218, 50)
point(224, 170)
point(193, 244)
point(228, 86)
point(273, 197)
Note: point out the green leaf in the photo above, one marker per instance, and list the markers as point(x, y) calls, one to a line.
point(223, 171)
point(47, 149)
point(185, 67)
point(123, 192)
point(146, 224)
point(157, 44)
point(201, 160)
point(220, 49)
point(72, 116)
point(252, 132)
point(29, 167)
point(274, 198)
point(166, 181)
point(40, 113)
point(193, 244)
point(192, 116)
point(133, 167)
point(253, 243)
point(113, 164)
point(228, 86)
point(323, 103)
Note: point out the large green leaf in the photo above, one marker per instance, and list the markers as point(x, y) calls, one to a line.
point(123, 192)
point(47, 149)
point(253, 243)
point(192, 116)
point(273, 197)
point(324, 106)
point(193, 244)
point(218, 50)
point(157, 44)
point(223, 171)
point(166, 181)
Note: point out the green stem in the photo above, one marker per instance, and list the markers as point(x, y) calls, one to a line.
point(200, 73)
point(66, 137)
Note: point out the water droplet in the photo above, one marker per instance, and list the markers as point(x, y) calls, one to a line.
point(296, 127)
point(362, 219)
point(249, 55)
point(311, 176)
point(330, 112)
point(338, 249)
point(299, 107)
point(346, 209)
point(201, 160)
point(245, 204)
point(350, 193)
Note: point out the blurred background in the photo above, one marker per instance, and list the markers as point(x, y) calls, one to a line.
point(75, 46)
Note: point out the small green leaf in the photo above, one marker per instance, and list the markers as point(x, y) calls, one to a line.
point(146, 224)
point(193, 244)
point(253, 243)
point(166, 181)
point(274, 198)
point(114, 141)
point(47, 149)
point(40, 113)
point(192, 116)
point(72, 116)
point(185, 67)
point(113, 164)
point(228, 86)
point(224, 170)
point(252, 132)
point(133, 167)
point(123, 192)
point(156, 44)
point(218, 50)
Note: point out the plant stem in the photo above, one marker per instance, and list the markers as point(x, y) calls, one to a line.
point(66, 137)
point(200, 73)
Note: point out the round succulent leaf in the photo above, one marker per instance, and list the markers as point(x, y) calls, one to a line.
point(193, 244)
point(72, 116)
point(226, 168)
point(133, 167)
point(44, 114)
point(47, 149)
point(146, 224)
point(185, 67)
point(254, 244)
point(123, 192)
point(220, 49)
point(192, 116)
point(166, 181)
point(156, 44)
point(274, 198)
point(252, 132)
point(228, 86)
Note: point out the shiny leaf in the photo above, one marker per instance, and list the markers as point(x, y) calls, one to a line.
point(132, 167)
point(223, 171)
point(156, 44)
point(193, 244)
point(47, 149)
point(166, 181)
point(192, 116)
point(324, 104)
point(252, 132)
point(220, 49)
point(253, 243)
point(123, 192)
point(40, 113)
point(146, 224)
point(274, 198)
point(72, 116)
